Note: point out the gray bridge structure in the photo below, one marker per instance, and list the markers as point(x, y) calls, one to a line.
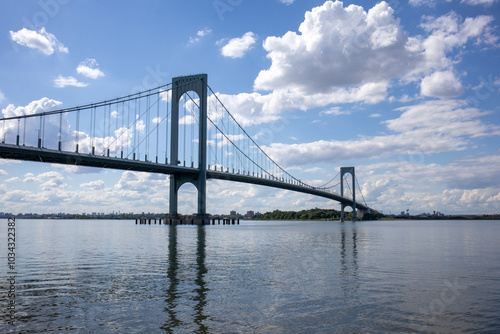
point(97, 139)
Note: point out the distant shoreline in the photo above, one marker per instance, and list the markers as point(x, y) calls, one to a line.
point(304, 215)
point(458, 217)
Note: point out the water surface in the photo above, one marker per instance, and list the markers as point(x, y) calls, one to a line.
point(111, 276)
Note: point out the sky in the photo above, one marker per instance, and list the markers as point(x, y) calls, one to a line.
point(405, 91)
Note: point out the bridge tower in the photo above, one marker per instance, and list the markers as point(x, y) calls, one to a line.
point(343, 171)
point(180, 86)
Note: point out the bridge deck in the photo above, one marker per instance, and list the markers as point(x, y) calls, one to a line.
point(9, 151)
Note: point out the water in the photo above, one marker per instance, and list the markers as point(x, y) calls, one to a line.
point(93, 276)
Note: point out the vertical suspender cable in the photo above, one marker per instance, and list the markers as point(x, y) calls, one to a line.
point(146, 151)
point(24, 133)
point(157, 124)
point(60, 131)
point(123, 129)
point(18, 129)
point(138, 113)
point(135, 129)
point(43, 132)
point(77, 129)
point(166, 132)
point(184, 128)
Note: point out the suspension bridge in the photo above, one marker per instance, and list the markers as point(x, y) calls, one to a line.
point(177, 129)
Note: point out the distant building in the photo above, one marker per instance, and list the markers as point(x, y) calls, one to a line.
point(232, 213)
point(249, 214)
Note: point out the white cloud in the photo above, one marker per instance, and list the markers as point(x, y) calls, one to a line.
point(49, 180)
point(479, 2)
point(2, 172)
point(426, 128)
point(430, 3)
point(336, 111)
point(448, 32)
point(348, 55)
point(35, 107)
point(345, 54)
point(78, 169)
point(256, 108)
point(93, 185)
point(90, 69)
point(199, 35)
point(187, 120)
point(471, 183)
point(2, 97)
point(140, 126)
point(61, 82)
point(287, 2)
point(42, 41)
point(338, 47)
point(204, 32)
point(237, 47)
point(12, 179)
point(375, 115)
point(441, 84)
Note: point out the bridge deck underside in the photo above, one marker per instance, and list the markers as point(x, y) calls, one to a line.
point(15, 152)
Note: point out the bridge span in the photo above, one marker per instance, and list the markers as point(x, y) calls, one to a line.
point(217, 148)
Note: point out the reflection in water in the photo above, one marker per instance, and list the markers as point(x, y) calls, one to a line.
point(201, 290)
point(172, 295)
point(349, 259)
point(173, 266)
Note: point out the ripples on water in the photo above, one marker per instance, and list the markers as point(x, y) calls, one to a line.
point(260, 277)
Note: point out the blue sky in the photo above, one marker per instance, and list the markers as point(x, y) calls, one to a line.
point(405, 91)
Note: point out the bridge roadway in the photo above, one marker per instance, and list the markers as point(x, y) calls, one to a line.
point(28, 153)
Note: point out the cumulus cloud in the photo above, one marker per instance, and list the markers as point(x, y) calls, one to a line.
point(61, 82)
point(237, 47)
point(441, 84)
point(42, 41)
point(426, 128)
point(93, 185)
point(257, 108)
point(49, 180)
point(338, 46)
point(341, 46)
point(90, 69)
point(34, 107)
point(347, 55)
point(471, 183)
point(446, 33)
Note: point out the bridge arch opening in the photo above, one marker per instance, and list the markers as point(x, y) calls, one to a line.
point(187, 193)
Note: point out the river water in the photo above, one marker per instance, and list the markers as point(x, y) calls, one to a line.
point(107, 276)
